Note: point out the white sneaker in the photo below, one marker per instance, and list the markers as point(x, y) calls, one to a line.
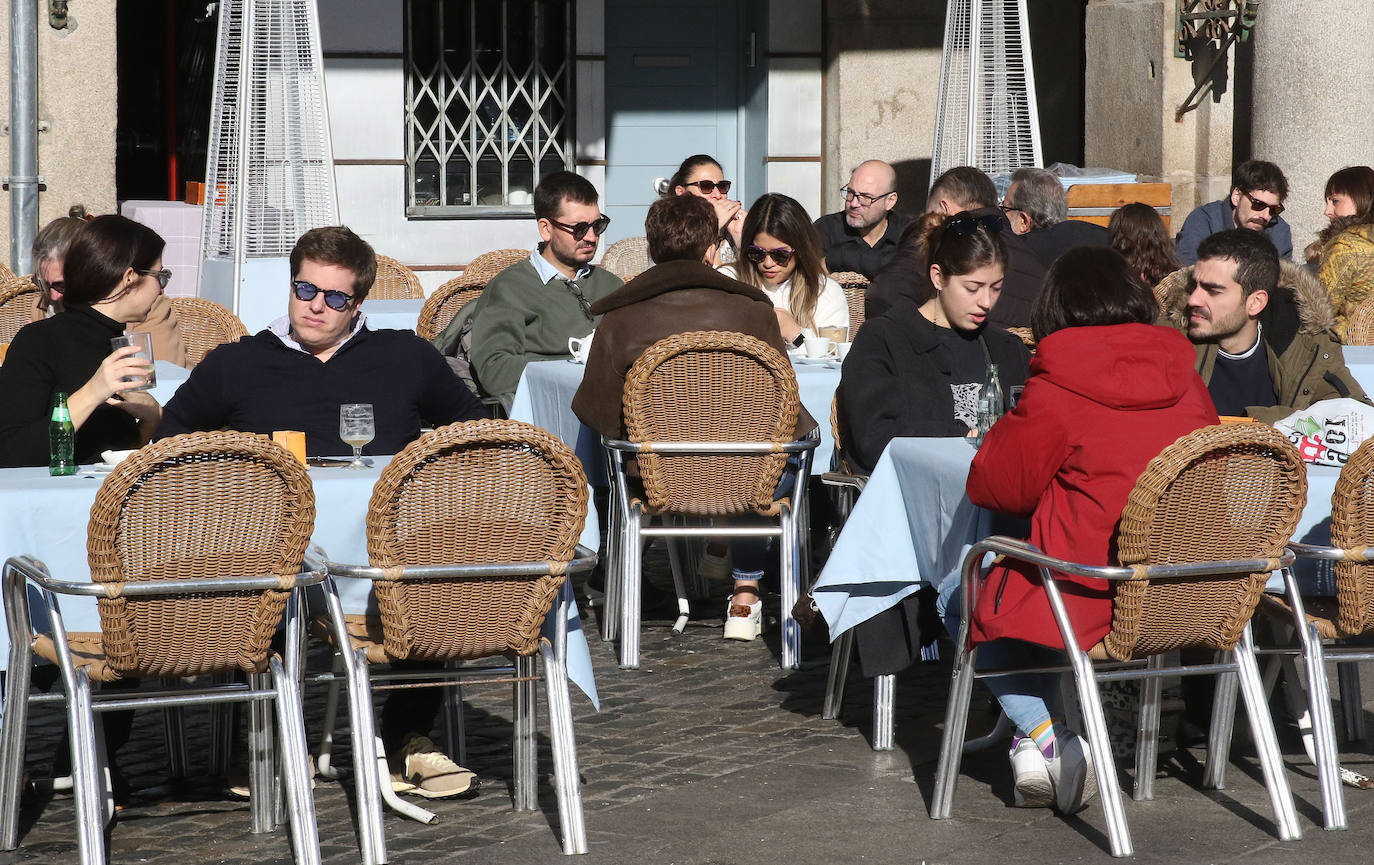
point(421, 769)
point(743, 621)
point(1071, 773)
point(1031, 772)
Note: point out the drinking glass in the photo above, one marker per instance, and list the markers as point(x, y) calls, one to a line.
point(144, 342)
point(356, 428)
point(835, 334)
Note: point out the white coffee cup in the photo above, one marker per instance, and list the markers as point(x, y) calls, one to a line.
point(818, 346)
point(580, 347)
point(842, 349)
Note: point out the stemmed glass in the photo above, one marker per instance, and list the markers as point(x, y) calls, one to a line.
point(356, 428)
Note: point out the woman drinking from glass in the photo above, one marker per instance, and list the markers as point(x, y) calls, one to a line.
point(702, 176)
point(113, 274)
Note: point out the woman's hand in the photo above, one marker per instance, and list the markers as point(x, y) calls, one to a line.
point(787, 324)
point(108, 381)
point(146, 410)
point(735, 226)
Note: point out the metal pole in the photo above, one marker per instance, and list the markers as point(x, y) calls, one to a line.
point(242, 174)
point(23, 179)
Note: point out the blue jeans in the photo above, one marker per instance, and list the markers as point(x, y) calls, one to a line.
point(1028, 699)
point(750, 553)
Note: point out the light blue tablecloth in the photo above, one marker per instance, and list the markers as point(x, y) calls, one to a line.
point(1359, 359)
point(545, 392)
point(47, 516)
point(393, 314)
point(1314, 527)
point(169, 378)
point(910, 527)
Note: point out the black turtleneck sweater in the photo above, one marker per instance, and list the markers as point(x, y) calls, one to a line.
point(58, 354)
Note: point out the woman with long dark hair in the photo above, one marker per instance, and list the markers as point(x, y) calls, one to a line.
point(782, 257)
point(1108, 391)
point(1136, 231)
point(1343, 252)
point(113, 274)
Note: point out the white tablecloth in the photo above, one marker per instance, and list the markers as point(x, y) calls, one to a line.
point(392, 314)
point(47, 516)
point(545, 392)
point(910, 527)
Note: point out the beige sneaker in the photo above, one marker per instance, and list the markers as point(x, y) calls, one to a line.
point(743, 621)
point(421, 769)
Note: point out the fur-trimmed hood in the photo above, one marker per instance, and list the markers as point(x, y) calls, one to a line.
point(1300, 298)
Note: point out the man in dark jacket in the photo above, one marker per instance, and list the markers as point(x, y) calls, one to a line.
point(1258, 189)
point(1038, 208)
point(681, 293)
point(1264, 345)
point(958, 189)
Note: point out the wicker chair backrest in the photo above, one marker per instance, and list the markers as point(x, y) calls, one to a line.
point(198, 506)
point(627, 257)
point(1359, 328)
point(1230, 491)
point(488, 264)
point(1352, 529)
point(710, 386)
point(480, 492)
point(395, 281)
point(205, 325)
point(855, 287)
point(443, 304)
point(18, 295)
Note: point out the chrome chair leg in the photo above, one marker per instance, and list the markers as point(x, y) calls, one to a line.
point(1095, 726)
point(368, 775)
point(1266, 742)
point(1320, 728)
point(613, 568)
point(13, 734)
point(884, 699)
point(526, 746)
point(305, 841)
point(1219, 734)
point(221, 731)
point(174, 735)
point(840, 653)
point(88, 786)
point(324, 763)
point(952, 740)
point(261, 760)
point(677, 564)
point(567, 774)
point(791, 574)
point(632, 556)
point(1147, 732)
point(455, 733)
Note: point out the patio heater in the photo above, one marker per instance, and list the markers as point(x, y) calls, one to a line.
point(986, 114)
point(269, 173)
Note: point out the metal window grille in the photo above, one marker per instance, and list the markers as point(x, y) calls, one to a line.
point(488, 103)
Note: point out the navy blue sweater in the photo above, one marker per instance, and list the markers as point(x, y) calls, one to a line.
point(258, 385)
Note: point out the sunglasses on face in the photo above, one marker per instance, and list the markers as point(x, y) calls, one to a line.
point(306, 291)
point(963, 226)
point(579, 230)
point(709, 186)
point(57, 285)
point(864, 198)
point(162, 276)
point(1261, 206)
point(780, 256)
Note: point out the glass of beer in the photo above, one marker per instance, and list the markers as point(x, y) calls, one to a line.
point(356, 428)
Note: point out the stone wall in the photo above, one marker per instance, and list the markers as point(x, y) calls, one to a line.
point(76, 104)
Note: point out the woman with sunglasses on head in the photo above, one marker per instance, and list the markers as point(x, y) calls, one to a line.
point(782, 256)
point(113, 274)
point(702, 176)
point(916, 370)
point(49, 252)
point(1343, 253)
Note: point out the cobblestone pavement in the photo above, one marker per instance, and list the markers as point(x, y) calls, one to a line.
point(709, 755)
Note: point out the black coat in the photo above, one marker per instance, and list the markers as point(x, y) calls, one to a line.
point(896, 380)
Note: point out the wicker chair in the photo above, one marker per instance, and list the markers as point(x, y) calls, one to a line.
point(1207, 521)
point(18, 295)
point(441, 306)
point(395, 281)
point(477, 584)
point(1321, 626)
point(627, 257)
point(205, 325)
point(710, 418)
point(854, 285)
point(1359, 328)
point(171, 531)
point(488, 264)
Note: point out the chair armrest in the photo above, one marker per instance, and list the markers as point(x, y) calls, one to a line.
point(584, 559)
point(1329, 554)
point(35, 572)
point(1022, 551)
point(844, 479)
point(687, 447)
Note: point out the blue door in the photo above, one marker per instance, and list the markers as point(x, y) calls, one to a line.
point(673, 88)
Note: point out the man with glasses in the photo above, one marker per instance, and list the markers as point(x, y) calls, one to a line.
point(862, 237)
point(530, 310)
point(1258, 189)
point(1037, 206)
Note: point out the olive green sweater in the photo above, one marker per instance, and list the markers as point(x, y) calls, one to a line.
point(518, 319)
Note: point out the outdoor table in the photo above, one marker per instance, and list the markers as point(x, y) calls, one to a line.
point(169, 378)
point(1359, 359)
point(393, 314)
point(545, 393)
point(46, 517)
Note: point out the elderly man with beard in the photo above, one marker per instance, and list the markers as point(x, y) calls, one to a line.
point(862, 237)
point(1258, 189)
point(529, 310)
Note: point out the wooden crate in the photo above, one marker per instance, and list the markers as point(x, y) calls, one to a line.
point(1094, 202)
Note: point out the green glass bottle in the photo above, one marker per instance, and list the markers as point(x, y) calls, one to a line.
point(61, 438)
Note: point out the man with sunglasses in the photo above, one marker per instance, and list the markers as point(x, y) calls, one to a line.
point(863, 237)
point(1258, 189)
point(530, 310)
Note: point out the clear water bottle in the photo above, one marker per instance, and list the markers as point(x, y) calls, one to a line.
point(61, 438)
point(990, 403)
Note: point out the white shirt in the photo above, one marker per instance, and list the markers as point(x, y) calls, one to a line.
point(832, 310)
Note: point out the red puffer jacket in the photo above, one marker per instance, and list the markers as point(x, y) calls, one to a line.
point(1101, 402)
